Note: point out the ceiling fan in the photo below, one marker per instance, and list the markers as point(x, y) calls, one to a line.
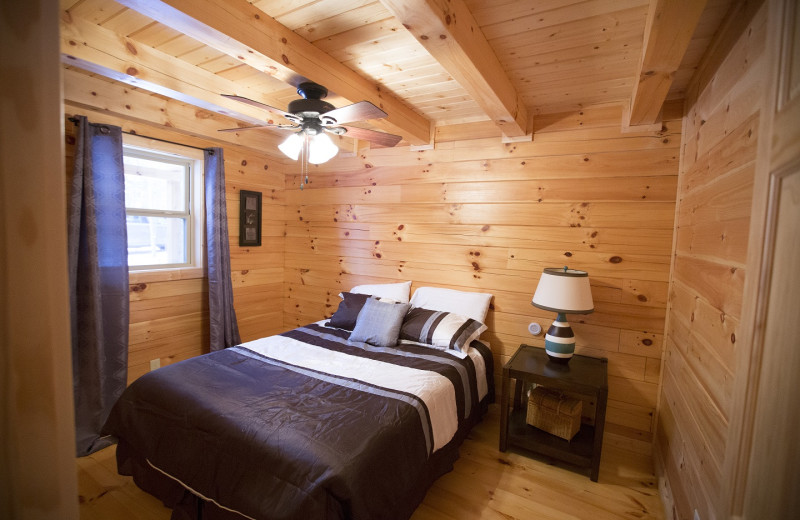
point(311, 117)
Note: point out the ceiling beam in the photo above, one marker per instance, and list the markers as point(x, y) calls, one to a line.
point(668, 31)
point(449, 32)
point(92, 48)
point(83, 91)
point(246, 33)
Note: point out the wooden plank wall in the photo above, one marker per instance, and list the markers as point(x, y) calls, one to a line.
point(169, 310)
point(720, 135)
point(477, 214)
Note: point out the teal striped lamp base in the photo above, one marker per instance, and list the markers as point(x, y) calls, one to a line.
point(559, 342)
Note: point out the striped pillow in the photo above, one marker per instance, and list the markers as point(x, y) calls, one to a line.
point(441, 329)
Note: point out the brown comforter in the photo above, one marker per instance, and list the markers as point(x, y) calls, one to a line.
point(237, 434)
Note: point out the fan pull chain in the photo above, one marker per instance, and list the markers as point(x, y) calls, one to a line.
point(304, 161)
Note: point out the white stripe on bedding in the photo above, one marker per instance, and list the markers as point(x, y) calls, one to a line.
point(461, 369)
point(435, 390)
point(477, 359)
point(480, 371)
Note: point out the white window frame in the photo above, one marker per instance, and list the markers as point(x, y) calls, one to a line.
point(138, 146)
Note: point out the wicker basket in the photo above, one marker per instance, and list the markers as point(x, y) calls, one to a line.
point(554, 412)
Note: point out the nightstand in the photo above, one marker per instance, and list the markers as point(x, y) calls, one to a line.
point(584, 376)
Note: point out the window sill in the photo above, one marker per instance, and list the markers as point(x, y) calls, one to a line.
point(165, 275)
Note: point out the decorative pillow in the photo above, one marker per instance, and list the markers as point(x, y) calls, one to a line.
point(345, 316)
point(347, 312)
point(395, 291)
point(470, 304)
point(441, 329)
point(379, 323)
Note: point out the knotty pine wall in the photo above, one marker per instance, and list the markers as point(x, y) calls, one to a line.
point(720, 135)
point(169, 309)
point(477, 214)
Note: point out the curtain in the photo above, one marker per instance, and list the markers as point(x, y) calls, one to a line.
point(98, 278)
point(224, 331)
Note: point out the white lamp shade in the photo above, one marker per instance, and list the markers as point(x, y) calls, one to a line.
point(292, 145)
point(321, 149)
point(564, 290)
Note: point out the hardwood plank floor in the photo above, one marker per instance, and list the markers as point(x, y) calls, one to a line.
point(485, 484)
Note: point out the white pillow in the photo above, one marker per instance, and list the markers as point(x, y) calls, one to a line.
point(470, 304)
point(395, 291)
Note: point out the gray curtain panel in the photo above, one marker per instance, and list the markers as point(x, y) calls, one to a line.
point(224, 331)
point(98, 277)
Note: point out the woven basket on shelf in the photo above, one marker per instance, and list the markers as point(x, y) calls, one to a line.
point(554, 412)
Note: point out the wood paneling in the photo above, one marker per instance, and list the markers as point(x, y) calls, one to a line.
point(169, 309)
point(460, 62)
point(475, 213)
point(486, 216)
point(715, 189)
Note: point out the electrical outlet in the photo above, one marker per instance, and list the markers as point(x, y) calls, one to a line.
point(534, 328)
point(696, 515)
point(154, 364)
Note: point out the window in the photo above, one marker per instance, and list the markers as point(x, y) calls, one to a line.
point(164, 205)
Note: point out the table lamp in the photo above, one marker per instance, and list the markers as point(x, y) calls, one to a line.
point(564, 291)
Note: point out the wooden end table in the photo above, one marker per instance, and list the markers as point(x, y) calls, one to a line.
point(583, 375)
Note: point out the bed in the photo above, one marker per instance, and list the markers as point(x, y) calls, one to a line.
point(311, 423)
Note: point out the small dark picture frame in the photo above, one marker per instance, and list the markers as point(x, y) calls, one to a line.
point(249, 218)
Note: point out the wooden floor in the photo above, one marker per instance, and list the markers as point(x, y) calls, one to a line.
point(485, 484)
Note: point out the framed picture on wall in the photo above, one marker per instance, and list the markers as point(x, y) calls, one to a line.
point(249, 218)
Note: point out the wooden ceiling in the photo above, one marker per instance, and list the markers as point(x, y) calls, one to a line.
point(427, 63)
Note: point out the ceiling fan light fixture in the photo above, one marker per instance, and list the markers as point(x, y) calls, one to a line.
point(292, 146)
point(321, 149)
point(311, 118)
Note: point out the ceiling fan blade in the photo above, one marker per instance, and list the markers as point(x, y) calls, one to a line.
point(360, 111)
point(372, 136)
point(258, 104)
point(279, 127)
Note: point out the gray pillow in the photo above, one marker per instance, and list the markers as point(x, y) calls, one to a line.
point(379, 323)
